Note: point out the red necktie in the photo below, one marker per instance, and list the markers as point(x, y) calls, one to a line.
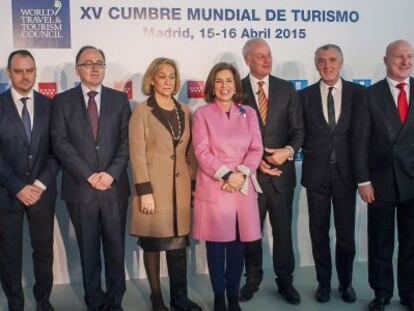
point(402, 104)
point(93, 113)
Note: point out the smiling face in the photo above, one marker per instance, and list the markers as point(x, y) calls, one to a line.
point(329, 63)
point(164, 80)
point(22, 73)
point(93, 74)
point(399, 60)
point(259, 60)
point(224, 86)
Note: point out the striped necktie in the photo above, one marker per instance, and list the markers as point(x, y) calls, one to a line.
point(262, 99)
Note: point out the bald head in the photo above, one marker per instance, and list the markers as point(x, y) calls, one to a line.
point(398, 60)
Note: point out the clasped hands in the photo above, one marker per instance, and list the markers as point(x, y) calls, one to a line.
point(234, 182)
point(275, 156)
point(30, 194)
point(101, 181)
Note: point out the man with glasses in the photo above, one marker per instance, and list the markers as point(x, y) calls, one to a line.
point(27, 183)
point(89, 130)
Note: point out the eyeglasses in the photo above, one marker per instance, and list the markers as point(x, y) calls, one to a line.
point(90, 65)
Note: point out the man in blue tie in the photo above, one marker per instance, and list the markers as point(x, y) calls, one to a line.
point(27, 183)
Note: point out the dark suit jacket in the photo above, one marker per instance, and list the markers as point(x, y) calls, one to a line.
point(22, 163)
point(383, 147)
point(320, 139)
point(284, 124)
point(81, 156)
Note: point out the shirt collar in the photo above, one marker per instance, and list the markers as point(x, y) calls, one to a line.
point(86, 90)
point(254, 80)
point(393, 84)
point(337, 86)
point(17, 96)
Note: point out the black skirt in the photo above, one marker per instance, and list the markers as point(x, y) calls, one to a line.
point(151, 244)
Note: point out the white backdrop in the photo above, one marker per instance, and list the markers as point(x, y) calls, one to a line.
point(293, 29)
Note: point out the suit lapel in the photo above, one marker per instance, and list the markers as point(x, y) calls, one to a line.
point(346, 101)
point(318, 110)
point(80, 107)
point(409, 122)
point(104, 114)
point(14, 117)
point(389, 105)
point(251, 100)
point(38, 117)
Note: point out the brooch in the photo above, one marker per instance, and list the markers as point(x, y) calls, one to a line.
point(242, 111)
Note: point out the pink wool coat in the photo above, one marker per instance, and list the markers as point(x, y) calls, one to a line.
point(222, 143)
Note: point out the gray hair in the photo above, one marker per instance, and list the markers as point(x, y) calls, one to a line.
point(249, 43)
point(327, 47)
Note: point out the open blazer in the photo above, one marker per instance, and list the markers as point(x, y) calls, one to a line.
point(222, 144)
point(160, 169)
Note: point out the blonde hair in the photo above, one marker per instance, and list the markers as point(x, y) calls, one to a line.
point(146, 87)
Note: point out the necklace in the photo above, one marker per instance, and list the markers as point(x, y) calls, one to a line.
point(178, 136)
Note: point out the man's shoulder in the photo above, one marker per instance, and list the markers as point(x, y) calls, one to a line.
point(309, 89)
point(39, 97)
point(279, 83)
point(107, 91)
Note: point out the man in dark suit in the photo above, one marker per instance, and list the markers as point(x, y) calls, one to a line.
point(327, 171)
point(27, 183)
point(89, 131)
point(383, 160)
point(281, 124)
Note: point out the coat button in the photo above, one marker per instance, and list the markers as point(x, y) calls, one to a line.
point(30, 156)
point(97, 147)
point(177, 174)
point(27, 173)
point(173, 157)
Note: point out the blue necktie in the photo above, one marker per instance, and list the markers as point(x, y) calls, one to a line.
point(26, 118)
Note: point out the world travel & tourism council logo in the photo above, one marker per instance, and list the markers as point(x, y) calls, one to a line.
point(41, 24)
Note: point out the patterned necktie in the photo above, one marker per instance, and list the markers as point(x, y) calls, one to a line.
point(93, 113)
point(331, 120)
point(26, 118)
point(402, 104)
point(262, 99)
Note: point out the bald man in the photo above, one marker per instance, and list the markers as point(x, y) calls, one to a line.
point(383, 159)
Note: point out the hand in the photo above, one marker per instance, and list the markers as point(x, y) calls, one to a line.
point(105, 181)
point(278, 156)
point(367, 193)
point(147, 203)
point(228, 188)
point(29, 195)
point(264, 167)
point(93, 179)
point(236, 180)
point(101, 181)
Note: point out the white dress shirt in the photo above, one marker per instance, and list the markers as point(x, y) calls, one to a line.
point(86, 90)
point(337, 96)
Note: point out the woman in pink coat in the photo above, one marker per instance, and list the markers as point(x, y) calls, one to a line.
point(228, 148)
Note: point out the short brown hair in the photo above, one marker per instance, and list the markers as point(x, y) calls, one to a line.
point(209, 87)
point(146, 87)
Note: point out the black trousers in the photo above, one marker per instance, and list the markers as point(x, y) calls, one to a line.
point(41, 220)
point(279, 207)
point(225, 265)
point(101, 222)
point(342, 196)
point(381, 235)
